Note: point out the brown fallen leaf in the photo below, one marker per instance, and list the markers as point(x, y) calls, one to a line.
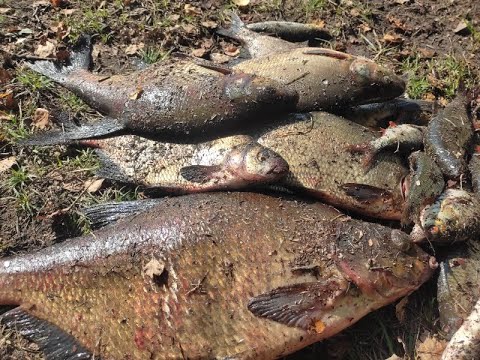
point(462, 28)
point(192, 10)
point(136, 95)
point(426, 53)
point(364, 27)
point(209, 24)
point(319, 24)
point(45, 50)
point(58, 3)
point(219, 58)
point(92, 186)
point(7, 101)
point(198, 52)
point(391, 38)
point(189, 28)
point(132, 49)
point(7, 163)
point(231, 50)
point(5, 11)
point(241, 2)
point(430, 349)
point(41, 118)
point(154, 268)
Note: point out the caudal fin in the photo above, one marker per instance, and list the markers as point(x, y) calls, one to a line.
point(235, 28)
point(70, 134)
point(80, 58)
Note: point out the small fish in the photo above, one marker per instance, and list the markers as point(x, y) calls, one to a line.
point(233, 162)
point(326, 79)
point(423, 185)
point(474, 168)
point(453, 217)
point(448, 136)
point(458, 285)
point(262, 276)
point(399, 110)
point(291, 31)
point(256, 44)
point(177, 100)
point(315, 146)
point(404, 138)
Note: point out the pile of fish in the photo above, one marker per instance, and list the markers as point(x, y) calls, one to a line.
point(293, 258)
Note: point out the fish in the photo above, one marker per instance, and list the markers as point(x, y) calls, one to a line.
point(233, 162)
point(448, 136)
point(326, 79)
point(399, 110)
point(291, 31)
point(315, 146)
point(403, 138)
point(174, 100)
point(458, 285)
point(424, 184)
point(257, 45)
point(453, 217)
point(223, 275)
point(474, 168)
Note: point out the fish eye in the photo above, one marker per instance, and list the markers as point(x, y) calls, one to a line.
point(262, 155)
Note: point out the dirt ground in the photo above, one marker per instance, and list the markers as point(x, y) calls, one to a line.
point(434, 43)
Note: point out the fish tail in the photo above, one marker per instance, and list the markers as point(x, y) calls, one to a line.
point(80, 58)
point(236, 27)
point(109, 169)
point(69, 135)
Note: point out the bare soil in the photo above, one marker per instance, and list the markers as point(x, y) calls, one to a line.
point(43, 190)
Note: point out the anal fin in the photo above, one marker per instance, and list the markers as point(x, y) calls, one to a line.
point(366, 193)
point(55, 343)
point(199, 173)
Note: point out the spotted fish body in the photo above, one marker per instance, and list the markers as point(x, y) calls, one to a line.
point(291, 31)
point(316, 149)
point(233, 162)
point(225, 275)
point(173, 100)
point(325, 78)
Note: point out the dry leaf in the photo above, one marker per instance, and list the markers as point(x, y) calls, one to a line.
point(41, 118)
point(58, 3)
point(219, 58)
point(192, 10)
point(46, 50)
point(401, 2)
point(430, 349)
point(400, 309)
point(364, 27)
point(198, 52)
point(209, 24)
point(231, 50)
point(5, 11)
point(189, 28)
point(392, 38)
point(7, 101)
point(241, 2)
point(426, 53)
point(68, 11)
point(462, 28)
point(7, 163)
point(154, 268)
point(92, 186)
point(319, 24)
point(134, 48)
point(136, 95)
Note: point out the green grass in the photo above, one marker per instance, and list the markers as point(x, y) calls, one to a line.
point(32, 80)
point(417, 84)
point(450, 71)
point(72, 102)
point(17, 183)
point(13, 130)
point(152, 55)
point(314, 5)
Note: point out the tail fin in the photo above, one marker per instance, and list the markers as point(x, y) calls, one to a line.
point(110, 170)
point(105, 126)
point(235, 28)
point(104, 214)
point(80, 58)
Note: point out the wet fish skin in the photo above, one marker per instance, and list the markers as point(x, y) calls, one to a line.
point(257, 45)
point(181, 280)
point(403, 138)
point(448, 136)
point(233, 162)
point(458, 285)
point(291, 31)
point(423, 185)
point(453, 217)
point(327, 170)
point(325, 79)
point(474, 168)
point(174, 100)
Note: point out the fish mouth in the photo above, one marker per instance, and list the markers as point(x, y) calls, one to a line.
point(405, 186)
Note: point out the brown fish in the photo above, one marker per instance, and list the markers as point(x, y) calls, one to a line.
point(257, 45)
point(316, 150)
point(291, 31)
point(448, 136)
point(325, 78)
point(225, 275)
point(176, 101)
point(474, 168)
point(233, 162)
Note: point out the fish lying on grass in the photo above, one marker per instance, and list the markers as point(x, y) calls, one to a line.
point(326, 79)
point(291, 31)
point(176, 100)
point(453, 217)
point(474, 168)
point(448, 135)
point(458, 285)
point(403, 138)
point(257, 45)
point(423, 185)
point(233, 162)
point(315, 146)
point(224, 275)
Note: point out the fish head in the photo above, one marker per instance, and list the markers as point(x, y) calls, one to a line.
point(256, 163)
point(377, 83)
point(246, 88)
point(380, 261)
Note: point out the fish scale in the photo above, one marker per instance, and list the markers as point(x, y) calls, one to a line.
point(97, 287)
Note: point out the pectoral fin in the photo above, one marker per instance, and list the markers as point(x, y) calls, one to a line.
point(55, 343)
point(327, 53)
point(199, 173)
point(366, 193)
point(299, 305)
